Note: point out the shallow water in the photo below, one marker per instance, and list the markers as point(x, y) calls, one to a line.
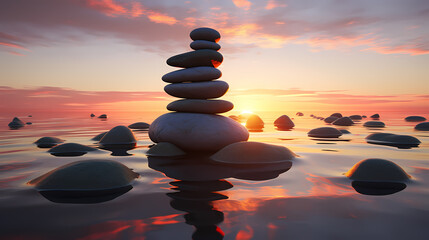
point(311, 200)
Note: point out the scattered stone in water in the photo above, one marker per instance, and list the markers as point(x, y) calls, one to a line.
point(86, 175)
point(343, 121)
point(70, 150)
point(337, 115)
point(102, 116)
point(363, 116)
point(99, 136)
point(300, 114)
point(165, 149)
point(196, 131)
point(200, 106)
point(197, 90)
point(325, 132)
point(253, 153)
point(345, 131)
point(139, 125)
point(119, 137)
point(415, 119)
point(378, 136)
point(254, 122)
point(355, 117)
point(48, 142)
point(198, 58)
point(374, 124)
point(330, 119)
point(377, 170)
point(28, 123)
point(16, 123)
point(424, 126)
point(375, 116)
point(378, 188)
point(195, 74)
point(207, 34)
point(284, 122)
point(92, 115)
point(395, 140)
point(202, 44)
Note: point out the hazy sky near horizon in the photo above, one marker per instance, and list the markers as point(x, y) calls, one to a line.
point(361, 47)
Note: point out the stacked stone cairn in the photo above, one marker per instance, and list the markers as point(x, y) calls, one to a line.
point(194, 124)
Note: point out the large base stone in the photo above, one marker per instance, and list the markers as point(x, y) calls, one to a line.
point(197, 131)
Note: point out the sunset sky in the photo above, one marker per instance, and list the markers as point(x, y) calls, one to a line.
point(278, 54)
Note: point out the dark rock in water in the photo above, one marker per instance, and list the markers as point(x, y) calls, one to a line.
point(200, 106)
point(16, 123)
point(202, 44)
point(344, 121)
point(324, 132)
point(253, 153)
point(197, 90)
point(424, 126)
point(92, 115)
point(338, 115)
point(48, 142)
point(345, 131)
point(363, 116)
point(199, 58)
point(28, 123)
point(196, 131)
point(207, 34)
point(195, 74)
point(390, 139)
point(375, 116)
point(378, 188)
point(70, 150)
point(415, 119)
point(374, 124)
point(284, 122)
point(85, 181)
point(30, 116)
point(139, 125)
point(254, 122)
point(99, 136)
point(330, 119)
point(300, 114)
point(165, 149)
point(102, 116)
point(119, 137)
point(355, 117)
point(377, 170)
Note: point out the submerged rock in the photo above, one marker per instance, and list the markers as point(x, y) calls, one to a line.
point(102, 116)
point(70, 150)
point(324, 132)
point(92, 115)
point(196, 131)
point(424, 126)
point(355, 117)
point(344, 121)
point(377, 170)
point(16, 123)
point(337, 115)
point(165, 149)
point(284, 122)
point(253, 153)
point(344, 131)
point(99, 136)
point(300, 114)
point(375, 116)
point(119, 137)
point(330, 119)
point(48, 142)
point(139, 125)
point(395, 140)
point(254, 122)
point(374, 124)
point(415, 119)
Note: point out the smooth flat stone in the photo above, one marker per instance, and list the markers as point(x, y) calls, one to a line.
point(254, 122)
point(202, 44)
point(200, 106)
point(424, 126)
point(284, 122)
point(415, 119)
point(375, 116)
point(330, 119)
point(253, 153)
point(344, 121)
point(195, 74)
point(165, 149)
point(70, 149)
point(197, 90)
point(102, 116)
point(208, 34)
point(325, 132)
point(377, 170)
point(139, 125)
point(196, 131)
point(374, 124)
point(338, 115)
point(16, 123)
point(119, 135)
point(199, 58)
point(355, 117)
point(395, 140)
point(88, 175)
point(47, 142)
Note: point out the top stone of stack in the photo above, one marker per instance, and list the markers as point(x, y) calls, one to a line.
point(207, 34)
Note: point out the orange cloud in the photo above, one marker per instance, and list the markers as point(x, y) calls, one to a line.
point(274, 4)
point(244, 4)
point(161, 18)
point(403, 49)
point(13, 45)
point(109, 7)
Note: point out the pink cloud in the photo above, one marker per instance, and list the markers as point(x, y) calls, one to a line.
point(271, 4)
point(12, 45)
point(243, 4)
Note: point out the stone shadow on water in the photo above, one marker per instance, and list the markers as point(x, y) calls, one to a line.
point(199, 181)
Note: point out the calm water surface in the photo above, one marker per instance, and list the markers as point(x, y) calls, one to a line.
point(196, 199)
